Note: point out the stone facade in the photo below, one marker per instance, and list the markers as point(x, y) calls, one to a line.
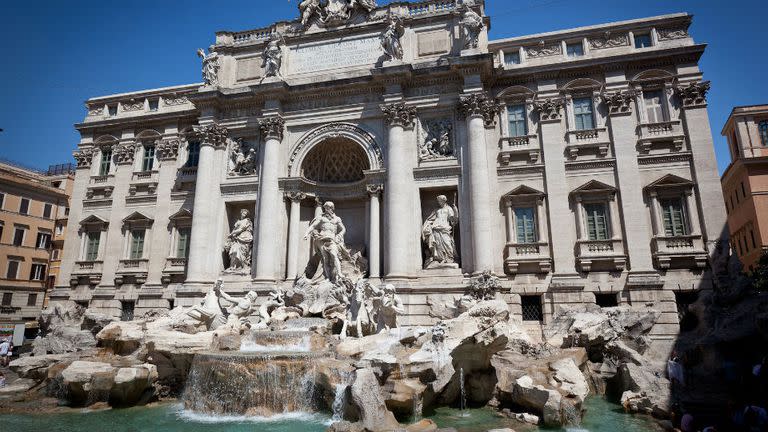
point(745, 182)
point(561, 155)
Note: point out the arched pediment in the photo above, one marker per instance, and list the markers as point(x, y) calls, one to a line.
point(105, 140)
point(148, 134)
point(517, 92)
point(582, 84)
point(338, 131)
point(653, 75)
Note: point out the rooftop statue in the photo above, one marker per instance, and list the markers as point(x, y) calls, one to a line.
point(211, 67)
point(332, 12)
point(273, 56)
point(471, 25)
point(390, 40)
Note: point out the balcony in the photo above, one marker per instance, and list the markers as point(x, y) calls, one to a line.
point(90, 270)
point(597, 140)
point(664, 132)
point(134, 269)
point(174, 267)
point(527, 258)
point(102, 179)
point(144, 177)
point(685, 251)
point(601, 255)
point(525, 146)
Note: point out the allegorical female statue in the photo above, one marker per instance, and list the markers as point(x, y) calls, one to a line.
point(273, 57)
point(210, 67)
point(240, 243)
point(390, 39)
point(437, 233)
point(327, 232)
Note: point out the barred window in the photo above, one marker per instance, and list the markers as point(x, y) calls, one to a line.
point(532, 308)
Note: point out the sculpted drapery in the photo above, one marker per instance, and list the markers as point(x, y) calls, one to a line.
point(240, 243)
point(437, 233)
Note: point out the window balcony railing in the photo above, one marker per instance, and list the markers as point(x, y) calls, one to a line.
point(188, 171)
point(669, 131)
point(102, 179)
point(525, 145)
point(605, 254)
point(174, 267)
point(578, 140)
point(684, 251)
point(89, 270)
point(134, 268)
point(144, 176)
point(527, 258)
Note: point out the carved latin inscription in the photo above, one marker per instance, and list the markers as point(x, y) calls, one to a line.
point(346, 53)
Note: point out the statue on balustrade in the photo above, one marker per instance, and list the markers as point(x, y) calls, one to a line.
point(239, 244)
point(210, 67)
point(437, 233)
point(273, 57)
point(390, 40)
point(472, 25)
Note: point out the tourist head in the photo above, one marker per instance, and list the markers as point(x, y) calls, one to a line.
point(329, 207)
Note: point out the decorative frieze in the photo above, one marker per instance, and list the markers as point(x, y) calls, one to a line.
point(174, 100)
point(124, 153)
point(272, 127)
point(619, 102)
point(544, 49)
point(132, 105)
point(480, 105)
point(83, 158)
point(671, 33)
point(693, 94)
point(168, 149)
point(609, 40)
point(399, 114)
point(96, 111)
point(212, 135)
point(549, 109)
point(438, 140)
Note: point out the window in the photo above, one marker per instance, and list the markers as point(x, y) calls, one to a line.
point(763, 128)
point(112, 110)
point(18, 236)
point(43, 240)
point(32, 299)
point(2, 200)
point(526, 225)
point(24, 206)
point(532, 309)
point(582, 113)
point(59, 229)
point(575, 49)
point(743, 190)
point(597, 221)
point(55, 255)
point(182, 243)
point(517, 123)
point(149, 158)
point(653, 106)
point(47, 209)
point(154, 104)
point(752, 235)
point(512, 58)
point(7, 298)
point(92, 246)
point(1, 232)
point(13, 269)
point(194, 154)
point(673, 214)
point(37, 273)
point(137, 244)
point(606, 300)
point(643, 40)
point(106, 161)
point(127, 308)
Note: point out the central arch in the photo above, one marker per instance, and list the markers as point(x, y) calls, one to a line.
point(350, 146)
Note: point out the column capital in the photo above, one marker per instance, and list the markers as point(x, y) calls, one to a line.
point(694, 94)
point(549, 109)
point(212, 135)
point(374, 189)
point(167, 150)
point(480, 105)
point(84, 157)
point(272, 127)
point(124, 153)
point(294, 196)
point(399, 114)
point(619, 102)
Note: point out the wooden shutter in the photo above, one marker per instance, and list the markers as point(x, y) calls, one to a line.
point(92, 246)
point(526, 228)
point(182, 244)
point(597, 222)
point(137, 244)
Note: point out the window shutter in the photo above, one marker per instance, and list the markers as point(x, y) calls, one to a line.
point(137, 246)
point(92, 247)
point(182, 246)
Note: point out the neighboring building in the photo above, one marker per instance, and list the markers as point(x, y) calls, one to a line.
point(32, 204)
point(579, 162)
point(745, 182)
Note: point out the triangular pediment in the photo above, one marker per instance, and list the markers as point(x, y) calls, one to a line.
point(522, 191)
point(182, 214)
point(93, 220)
point(594, 186)
point(670, 180)
point(136, 217)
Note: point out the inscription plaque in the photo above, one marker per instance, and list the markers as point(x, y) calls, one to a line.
point(334, 55)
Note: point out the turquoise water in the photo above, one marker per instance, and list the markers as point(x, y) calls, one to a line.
point(601, 416)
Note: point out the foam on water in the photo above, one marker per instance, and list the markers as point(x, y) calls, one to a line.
point(194, 417)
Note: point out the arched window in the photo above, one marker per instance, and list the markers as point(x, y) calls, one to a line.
point(336, 160)
point(763, 127)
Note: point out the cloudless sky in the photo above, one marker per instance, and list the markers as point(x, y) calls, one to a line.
point(58, 53)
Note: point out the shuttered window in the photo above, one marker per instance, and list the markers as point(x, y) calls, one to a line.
point(526, 225)
point(517, 124)
point(582, 113)
point(92, 246)
point(653, 107)
point(597, 221)
point(148, 161)
point(674, 217)
point(137, 244)
point(182, 244)
point(106, 161)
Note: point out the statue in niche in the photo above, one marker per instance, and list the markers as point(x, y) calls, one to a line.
point(243, 159)
point(273, 56)
point(390, 40)
point(439, 141)
point(471, 25)
point(327, 232)
point(210, 67)
point(437, 233)
point(239, 244)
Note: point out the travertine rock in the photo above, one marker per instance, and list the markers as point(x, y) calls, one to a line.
point(366, 394)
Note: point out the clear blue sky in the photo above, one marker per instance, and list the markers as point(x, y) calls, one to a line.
point(58, 53)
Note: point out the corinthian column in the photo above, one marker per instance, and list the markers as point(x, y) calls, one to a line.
point(398, 196)
point(480, 112)
point(374, 251)
point(295, 199)
point(267, 223)
point(200, 268)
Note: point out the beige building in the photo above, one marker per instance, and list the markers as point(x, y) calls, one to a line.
point(575, 164)
point(745, 182)
point(34, 207)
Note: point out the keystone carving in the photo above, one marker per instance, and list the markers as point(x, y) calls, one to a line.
point(399, 114)
point(480, 105)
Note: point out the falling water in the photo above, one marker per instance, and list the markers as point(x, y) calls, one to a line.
point(338, 402)
point(463, 400)
point(418, 407)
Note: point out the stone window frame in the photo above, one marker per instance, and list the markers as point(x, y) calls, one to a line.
point(517, 95)
point(88, 225)
point(583, 88)
point(182, 219)
point(19, 263)
point(672, 186)
point(525, 196)
point(762, 130)
point(146, 138)
point(654, 80)
point(597, 192)
point(137, 221)
point(101, 145)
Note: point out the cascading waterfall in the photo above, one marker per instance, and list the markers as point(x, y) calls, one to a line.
point(339, 400)
point(463, 400)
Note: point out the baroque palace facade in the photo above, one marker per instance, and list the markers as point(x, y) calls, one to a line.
point(577, 165)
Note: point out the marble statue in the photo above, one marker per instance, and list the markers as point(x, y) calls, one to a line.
point(471, 25)
point(210, 67)
point(276, 300)
point(243, 159)
point(387, 305)
point(273, 57)
point(240, 309)
point(327, 233)
point(438, 332)
point(209, 312)
point(390, 40)
point(437, 233)
point(239, 244)
point(332, 12)
point(439, 142)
